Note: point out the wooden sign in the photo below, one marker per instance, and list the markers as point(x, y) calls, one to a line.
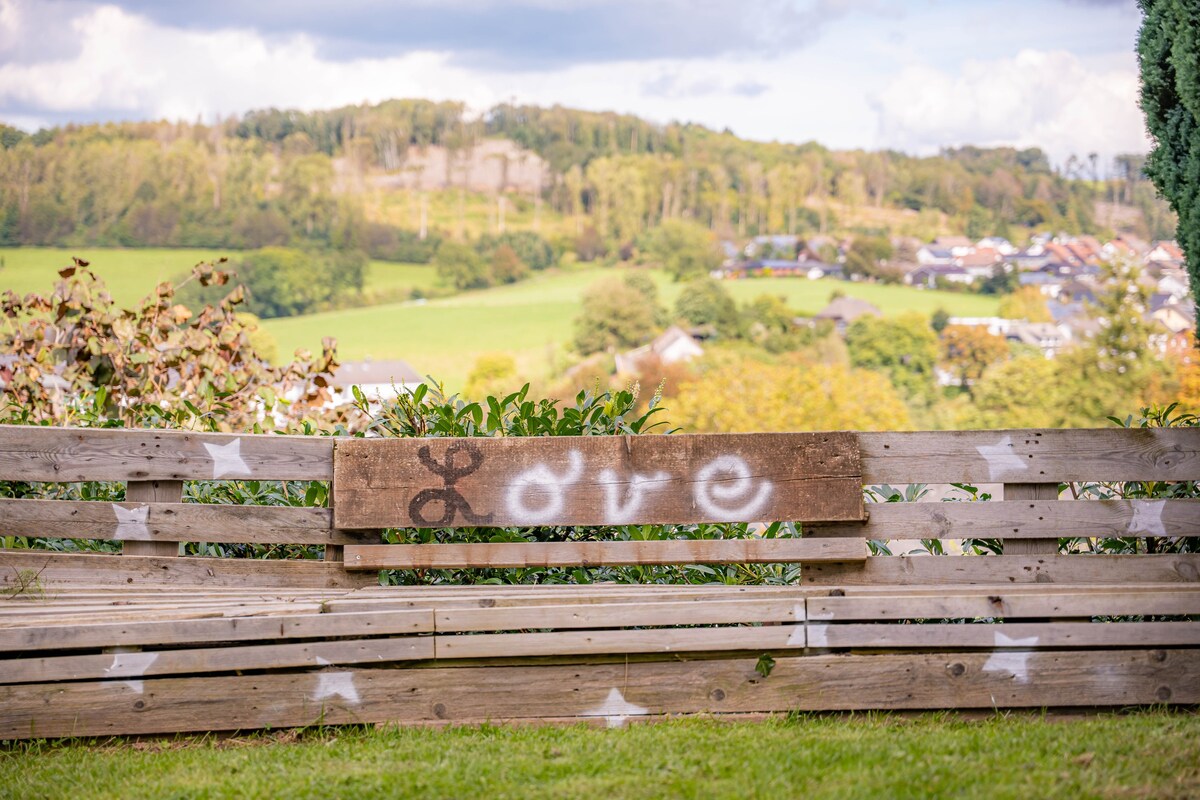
point(597, 480)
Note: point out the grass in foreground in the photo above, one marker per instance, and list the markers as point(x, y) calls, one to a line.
point(1146, 754)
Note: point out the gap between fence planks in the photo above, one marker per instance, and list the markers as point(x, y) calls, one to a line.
point(602, 554)
point(596, 480)
point(614, 692)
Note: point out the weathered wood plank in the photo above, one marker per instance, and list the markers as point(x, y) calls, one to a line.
point(39, 570)
point(148, 664)
point(34, 453)
point(655, 640)
point(612, 692)
point(1031, 456)
point(955, 604)
point(137, 493)
point(1091, 569)
point(173, 522)
point(1022, 519)
point(1026, 492)
point(1018, 635)
point(596, 554)
point(221, 629)
point(712, 611)
point(596, 480)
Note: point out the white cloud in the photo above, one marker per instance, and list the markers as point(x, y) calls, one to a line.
point(1034, 99)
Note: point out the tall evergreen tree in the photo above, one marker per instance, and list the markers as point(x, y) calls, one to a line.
point(1169, 56)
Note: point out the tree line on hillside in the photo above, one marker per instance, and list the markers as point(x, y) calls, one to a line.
point(275, 178)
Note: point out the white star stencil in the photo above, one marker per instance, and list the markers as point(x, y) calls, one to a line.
point(1011, 662)
point(131, 522)
point(1147, 517)
point(336, 684)
point(1001, 460)
point(615, 709)
point(126, 665)
point(227, 459)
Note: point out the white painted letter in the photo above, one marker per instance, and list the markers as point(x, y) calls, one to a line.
point(550, 488)
point(617, 512)
point(725, 490)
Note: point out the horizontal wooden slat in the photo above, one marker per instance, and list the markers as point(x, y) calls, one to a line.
point(1022, 519)
point(956, 604)
point(148, 664)
point(223, 629)
point(1010, 635)
point(1031, 456)
point(597, 554)
point(1090, 569)
point(173, 522)
point(660, 640)
point(613, 692)
point(596, 480)
point(42, 569)
point(34, 453)
point(620, 614)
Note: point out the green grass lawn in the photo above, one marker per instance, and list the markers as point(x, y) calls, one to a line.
point(533, 320)
point(130, 273)
point(1141, 755)
point(133, 273)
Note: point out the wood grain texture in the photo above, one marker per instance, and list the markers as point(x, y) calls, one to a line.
point(712, 611)
point(47, 569)
point(1031, 456)
point(138, 492)
point(1026, 492)
point(611, 692)
point(596, 480)
point(220, 629)
point(955, 570)
point(166, 522)
point(1022, 519)
point(34, 453)
point(956, 604)
point(654, 640)
point(1011, 635)
point(598, 554)
point(199, 661)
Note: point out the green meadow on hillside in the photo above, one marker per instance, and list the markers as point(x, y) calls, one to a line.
point(133, 273)
point(533, 320)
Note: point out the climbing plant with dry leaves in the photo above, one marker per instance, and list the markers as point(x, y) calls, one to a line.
point(158, 361)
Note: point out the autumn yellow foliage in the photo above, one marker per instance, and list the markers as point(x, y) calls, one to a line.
point(747, 396)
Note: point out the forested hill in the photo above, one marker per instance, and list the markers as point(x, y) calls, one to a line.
point(364, 174)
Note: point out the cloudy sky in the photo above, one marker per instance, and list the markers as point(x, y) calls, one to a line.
point(912, 75)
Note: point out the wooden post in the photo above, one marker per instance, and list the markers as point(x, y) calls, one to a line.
point(1030, 491)
point(152, 492)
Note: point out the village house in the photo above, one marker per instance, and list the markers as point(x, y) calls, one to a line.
point(380, 381)
point(842, 311)
point(672, 346)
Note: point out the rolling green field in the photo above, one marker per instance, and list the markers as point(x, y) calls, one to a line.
point(532, 320)
point(133, 273)
point(1140, 755)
